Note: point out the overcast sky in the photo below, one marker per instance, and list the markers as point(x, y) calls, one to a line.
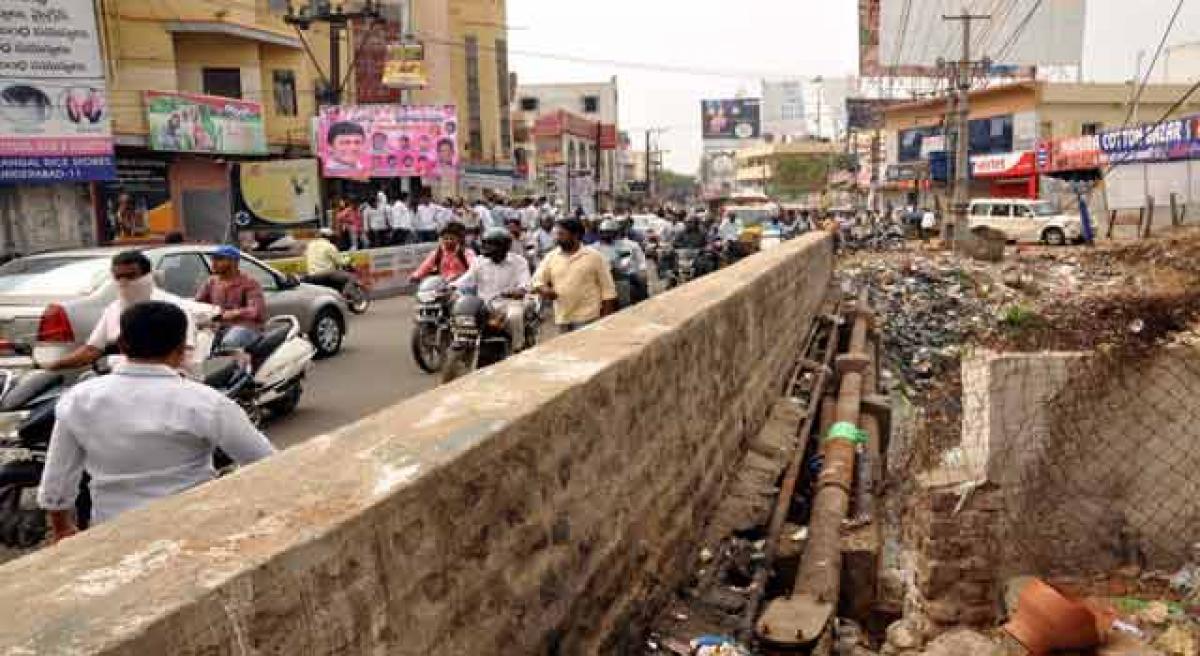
point(668, 55)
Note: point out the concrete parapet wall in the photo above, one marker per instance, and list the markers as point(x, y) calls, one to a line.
point(531, 508)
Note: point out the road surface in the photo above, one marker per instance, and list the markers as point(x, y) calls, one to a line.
point(374, 370)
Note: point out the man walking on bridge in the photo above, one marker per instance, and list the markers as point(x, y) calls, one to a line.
point(576, 278)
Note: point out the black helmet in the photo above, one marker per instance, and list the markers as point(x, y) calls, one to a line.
point(496, 243)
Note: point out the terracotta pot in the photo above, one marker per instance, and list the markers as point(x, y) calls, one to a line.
point(1048, 620)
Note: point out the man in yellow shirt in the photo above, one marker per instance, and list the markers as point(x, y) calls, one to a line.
point(324, 263)
point(576, 278)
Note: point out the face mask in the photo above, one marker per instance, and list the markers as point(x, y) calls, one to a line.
point(135, 291)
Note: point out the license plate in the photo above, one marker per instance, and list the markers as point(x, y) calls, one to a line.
point(15, 454)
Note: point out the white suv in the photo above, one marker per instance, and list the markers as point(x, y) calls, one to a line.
point(1024, 220)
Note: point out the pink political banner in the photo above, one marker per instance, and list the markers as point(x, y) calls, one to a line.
point(388, 141)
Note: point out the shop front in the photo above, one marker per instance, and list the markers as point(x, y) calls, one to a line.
point(1007, 175)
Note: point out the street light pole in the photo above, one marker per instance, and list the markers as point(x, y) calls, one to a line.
point(962, 71)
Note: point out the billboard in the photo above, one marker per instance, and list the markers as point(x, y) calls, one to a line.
point(738, 118)
point(866, 113)
point(282, 193)
point(388, 141)
point(1165, 141)
point(1025, 33)
point(195, 123)
point(54, 114)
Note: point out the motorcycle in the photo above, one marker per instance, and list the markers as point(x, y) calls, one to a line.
point(27, 402)
point(355, 291)
point(479, 338)
point(623, 278)
point(431, 329)
point(276, 362)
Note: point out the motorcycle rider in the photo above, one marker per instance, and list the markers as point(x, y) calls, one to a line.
point(324, 263)
point(143, 432)
point(450, 259)
point(500, 277)
point(576, 278)
point(135, 284)
point(544, 237)
point(692, 235)
point(239, 296)
point(615, 248)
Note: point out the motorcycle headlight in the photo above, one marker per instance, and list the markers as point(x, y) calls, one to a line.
point(426, 297)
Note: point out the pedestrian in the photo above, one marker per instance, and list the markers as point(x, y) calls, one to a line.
point(576, 278)
point(484, 216)
point(402, 221)
point(378, 221)
point(425, 224)
point(350, 226)
point(928, 225)
point(143, 432)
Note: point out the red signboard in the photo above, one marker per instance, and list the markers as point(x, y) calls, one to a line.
point(1004, 165)
point(1071, 154)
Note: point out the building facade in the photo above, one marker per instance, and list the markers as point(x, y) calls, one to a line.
point(1007, 124)
point(785, 170)
point(783, 109)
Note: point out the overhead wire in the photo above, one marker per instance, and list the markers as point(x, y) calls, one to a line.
point(1153, 62)
point(1016, 35)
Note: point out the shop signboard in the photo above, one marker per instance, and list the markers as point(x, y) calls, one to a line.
point(277, 194)
point(54, 112)
point(1168, 140)
point(1004, 165)
point(195, 123)
point(388, 141)
point(405, 66)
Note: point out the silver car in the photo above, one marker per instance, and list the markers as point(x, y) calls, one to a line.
point(51, 301)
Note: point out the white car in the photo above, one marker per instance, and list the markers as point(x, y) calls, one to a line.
point(1023, 220)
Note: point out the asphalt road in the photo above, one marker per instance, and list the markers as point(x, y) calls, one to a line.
point(374, 370)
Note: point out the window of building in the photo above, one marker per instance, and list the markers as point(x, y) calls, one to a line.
point(283, 85)
point(226, 82)
point(474, 103)
point(591, 104)
point(1091, 129)
point(529, 104)
point(502, 82)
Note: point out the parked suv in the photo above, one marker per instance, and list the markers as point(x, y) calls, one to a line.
point(51, 301)
point(1023, 220)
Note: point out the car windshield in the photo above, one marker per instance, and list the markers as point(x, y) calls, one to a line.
point(56, 276)
point(1044, 208)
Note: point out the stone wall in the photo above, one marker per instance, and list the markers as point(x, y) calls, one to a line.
point(535, 507)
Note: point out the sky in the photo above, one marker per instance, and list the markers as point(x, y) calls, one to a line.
point(668, 55)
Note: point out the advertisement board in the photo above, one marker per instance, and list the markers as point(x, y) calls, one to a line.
point(195, 123)
point(867, 113)
point(1169, 140)
point(388, 141)
point(405, 67)
point(137, 203)
point(277, 194)
point(54, 114)
point(737, 118)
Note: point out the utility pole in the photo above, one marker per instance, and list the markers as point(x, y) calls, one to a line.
point(338, 21)
point(649, 175)
point(962, 73)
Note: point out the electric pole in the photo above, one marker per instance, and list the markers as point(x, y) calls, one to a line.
point(338, 20)
point(961, 72)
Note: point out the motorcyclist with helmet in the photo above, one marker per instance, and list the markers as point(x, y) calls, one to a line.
point(324, 262)
point(501, 278)
point(616, 249)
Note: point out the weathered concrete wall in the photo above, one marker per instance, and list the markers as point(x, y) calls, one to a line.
point(530, 508)
point(1095, 457)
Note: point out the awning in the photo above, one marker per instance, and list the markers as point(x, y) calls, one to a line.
point(234, 30)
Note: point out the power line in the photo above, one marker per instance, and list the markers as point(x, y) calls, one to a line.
point(1012, 39)
point(1157, 53)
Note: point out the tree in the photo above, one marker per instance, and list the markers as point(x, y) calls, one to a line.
point(676, 187)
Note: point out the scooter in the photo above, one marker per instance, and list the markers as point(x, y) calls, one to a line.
point(479, 338)
point(431, 326)
point(277, 362)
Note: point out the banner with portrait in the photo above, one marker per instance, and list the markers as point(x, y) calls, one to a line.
point(388, 141)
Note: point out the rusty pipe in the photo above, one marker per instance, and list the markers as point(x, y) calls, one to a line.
point(802, 617)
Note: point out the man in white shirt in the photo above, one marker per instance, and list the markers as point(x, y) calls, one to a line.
point(402, 220)
point(378, 222)
point(529, 215)
point(501, 279)
point(135, 284)
point(444, 215)
point(143, 432)
point(483, 214)
point(426, 221)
